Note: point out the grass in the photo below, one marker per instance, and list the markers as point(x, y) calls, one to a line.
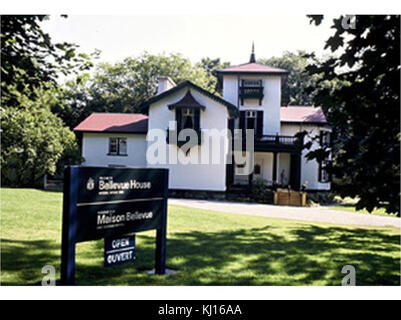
point(351, 208)
point(349, 204)
point(207, 248)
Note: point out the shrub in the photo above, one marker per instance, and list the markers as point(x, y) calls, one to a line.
point(322, 198)
point(260, 192)
point(34, 142)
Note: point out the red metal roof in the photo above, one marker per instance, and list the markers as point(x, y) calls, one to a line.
point(114, 122)
point(188, 101)
point(138, 123)
point(254, 67)
point(302, 114)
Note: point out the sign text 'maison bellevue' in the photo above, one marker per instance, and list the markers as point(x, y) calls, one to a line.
point(106, 218)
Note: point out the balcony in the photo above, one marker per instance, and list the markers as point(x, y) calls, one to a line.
point(275, 143)
point(251, 92)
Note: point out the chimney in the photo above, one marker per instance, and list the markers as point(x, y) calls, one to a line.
point(164, 83)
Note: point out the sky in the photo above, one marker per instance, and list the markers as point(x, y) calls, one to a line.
point(227, 37)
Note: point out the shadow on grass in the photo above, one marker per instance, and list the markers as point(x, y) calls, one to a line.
point(24, 260)
point(304, 255)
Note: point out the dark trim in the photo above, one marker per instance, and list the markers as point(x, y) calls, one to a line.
point(188, 101)
point(256, 73)
point(232, 109)
point(295, 171)
point(264, 147)
point(117, 155)
point(259, 123)
point(313, 123)
point(274, 174)
point(119, 132)
point(172, 107)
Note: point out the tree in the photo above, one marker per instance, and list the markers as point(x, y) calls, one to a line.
point(365, 109)
point(121, 87)
point(30, 59)
point(34, 140)
point(211, 66)
point(298, 87)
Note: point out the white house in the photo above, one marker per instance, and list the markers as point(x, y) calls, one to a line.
point(251, 100)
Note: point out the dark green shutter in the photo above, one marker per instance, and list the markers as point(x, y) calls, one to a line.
point(231, 124)
point(197, 119)
point(242, 120)
point(178, 118)
point(259, 123)
point(320, 172)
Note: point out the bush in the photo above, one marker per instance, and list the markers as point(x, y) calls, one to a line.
point(260, 192)
point(322, 198)
point(34, 142)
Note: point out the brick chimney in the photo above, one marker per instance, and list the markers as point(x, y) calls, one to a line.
point(164, 83)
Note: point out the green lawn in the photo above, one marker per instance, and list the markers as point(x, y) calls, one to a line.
point(349, 204)
point(351, 208)
point(207, 248)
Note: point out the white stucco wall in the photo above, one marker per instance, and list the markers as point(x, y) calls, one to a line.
point(95, 149)
point(309, 168)
point(270, 104)
point(193, 176)
point(265, 160)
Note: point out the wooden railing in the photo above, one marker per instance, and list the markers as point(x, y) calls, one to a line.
point(273, 140)
point(251, 92)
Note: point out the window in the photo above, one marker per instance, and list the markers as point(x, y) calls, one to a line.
point(250, 120)
point(118, 146)
point(188, 118)
point(252, 83)
point(324, 176)
point(325, 142)
point(325, 138)
point(257, 170)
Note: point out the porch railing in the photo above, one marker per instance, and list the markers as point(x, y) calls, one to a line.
point(273, 140)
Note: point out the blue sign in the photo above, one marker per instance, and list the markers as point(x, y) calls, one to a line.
point(109, 203)
point(119, 250)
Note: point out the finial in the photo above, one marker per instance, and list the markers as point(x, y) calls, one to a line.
point(253, 60)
